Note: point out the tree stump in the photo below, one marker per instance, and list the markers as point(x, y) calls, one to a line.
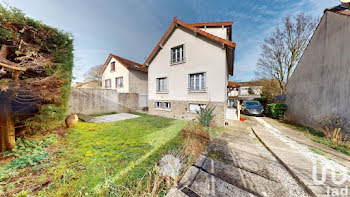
point(7, 125)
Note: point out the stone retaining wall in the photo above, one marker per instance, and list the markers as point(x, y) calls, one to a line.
point(180, 110)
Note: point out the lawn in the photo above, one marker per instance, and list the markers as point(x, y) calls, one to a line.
point(98, 158)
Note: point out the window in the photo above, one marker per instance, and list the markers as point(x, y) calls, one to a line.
point(197, 82)
point(108, 83)
point(113, 66)
point(162, 84)
point(163, 105)
point(194, 107)
point(177, 54)
point(119, 82)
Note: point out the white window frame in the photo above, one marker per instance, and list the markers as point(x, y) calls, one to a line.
point(197, 82)
point(162, 85)
point(179, 52)
point(160, 105)
point(109, 84)
point(120, 85)
point(198, 105)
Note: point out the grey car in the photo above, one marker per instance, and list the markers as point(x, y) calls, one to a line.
point(252, 108)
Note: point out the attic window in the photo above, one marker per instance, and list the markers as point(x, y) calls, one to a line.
point(177, 54)
point(113, 66)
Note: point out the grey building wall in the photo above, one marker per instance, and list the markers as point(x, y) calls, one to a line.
point(138, 82)
point(320, 83)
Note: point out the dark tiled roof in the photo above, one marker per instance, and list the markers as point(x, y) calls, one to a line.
point(343, 10)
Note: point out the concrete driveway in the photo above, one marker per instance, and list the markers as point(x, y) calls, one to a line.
point(306, 160)
point(236, 163)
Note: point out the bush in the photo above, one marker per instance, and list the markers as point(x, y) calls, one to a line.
point(276, 110)
point(263, 101)
point(195, 138)
point(206, 116)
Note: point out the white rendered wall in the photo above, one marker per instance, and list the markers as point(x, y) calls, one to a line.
point(201, 56)
point(120, 71)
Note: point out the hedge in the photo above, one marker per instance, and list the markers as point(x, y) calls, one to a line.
point(52, 44)
point(276, 110)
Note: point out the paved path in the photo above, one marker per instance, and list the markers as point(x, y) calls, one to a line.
point(296, 154)
point(237, 164)
point(113, 117)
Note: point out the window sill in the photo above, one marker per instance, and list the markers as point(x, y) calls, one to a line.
point(161, 109)
point(175, 63)
point(165, 92)
point(197, 91)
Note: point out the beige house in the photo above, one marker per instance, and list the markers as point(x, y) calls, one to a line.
point(189, 70)
point(319, 85)
point(124, 75)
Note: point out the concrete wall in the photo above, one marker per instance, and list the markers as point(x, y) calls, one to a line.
point(143, 101)
point(93, 101)
point(120, 71)
point(320, 83)
point(138, 82)
point(201, 55)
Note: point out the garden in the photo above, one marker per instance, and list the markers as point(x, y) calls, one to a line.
point(123, 158)
point(92, 158)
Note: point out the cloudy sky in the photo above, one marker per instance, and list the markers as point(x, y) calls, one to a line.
point(132, 28)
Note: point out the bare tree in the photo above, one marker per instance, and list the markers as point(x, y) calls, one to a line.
point(93, 74)
point(282, 51)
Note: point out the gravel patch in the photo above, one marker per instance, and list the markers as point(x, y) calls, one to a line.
point(314, 157)
point(286, 179)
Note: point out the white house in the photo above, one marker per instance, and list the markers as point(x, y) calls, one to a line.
point(124, 75)
point(245, 90)
point(189, 69)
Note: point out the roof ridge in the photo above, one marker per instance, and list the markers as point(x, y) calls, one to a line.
point(223, 23)
point(193, 28)
point(206, 33)
point(124, 62)
point(126, 59)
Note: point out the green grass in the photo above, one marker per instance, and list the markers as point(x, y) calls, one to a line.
point(315, 150)
point(108, 154)
point(318, 136)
